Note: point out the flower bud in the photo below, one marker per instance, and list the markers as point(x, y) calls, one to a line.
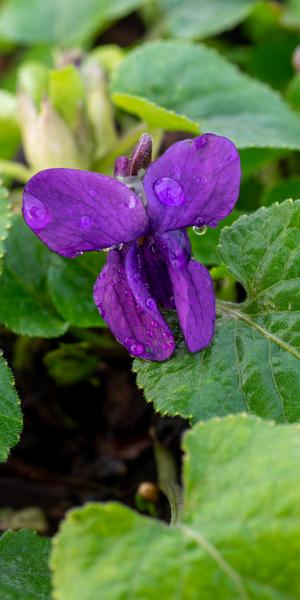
point(47, 141)
point(99, 109)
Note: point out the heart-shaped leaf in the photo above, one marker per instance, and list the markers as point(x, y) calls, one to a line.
point(253, 363)
point(238, 537)
point(198, 83)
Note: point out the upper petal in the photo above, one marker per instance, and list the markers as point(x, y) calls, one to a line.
point(75, 211)
point(195, 182)
point(124, 300)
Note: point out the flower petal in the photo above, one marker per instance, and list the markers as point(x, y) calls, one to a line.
point(195, 182)
point(195, 303)
point(158, 274)
point(123, 299)
point(75, 211)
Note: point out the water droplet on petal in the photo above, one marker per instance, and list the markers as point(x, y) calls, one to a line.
point(85, 222)
point(213, 223)
point(36, 214)
point(154, 324)
point(130, 201)
point(136, 276)
point(200, 230)
point(201, 141)
point(169, 191)
point(150, 303)
point(129, 341)
point(149, 333)
point(137, 349)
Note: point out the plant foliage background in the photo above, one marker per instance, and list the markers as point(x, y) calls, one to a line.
point(79, 83)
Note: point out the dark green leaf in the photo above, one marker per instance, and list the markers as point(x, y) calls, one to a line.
point(71, 285)
point(197, 82)
point(253, 363)
point(10, 411)
point(59, 21)
point(25, 305)
point(286, 188)
point(24, 573)
point(238, 538)
point(196, 19)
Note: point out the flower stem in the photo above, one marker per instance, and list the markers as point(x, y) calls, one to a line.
point(167, 480)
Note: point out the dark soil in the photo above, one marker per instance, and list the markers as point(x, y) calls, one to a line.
point(85, 442)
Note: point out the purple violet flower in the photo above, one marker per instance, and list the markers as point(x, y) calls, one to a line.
point(141, 216)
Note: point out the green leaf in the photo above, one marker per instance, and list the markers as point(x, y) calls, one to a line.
point(253, 363)
point(154, 115)
point(24, 573)
point(238, 537)
point(5, 221)
point(25, 305)
point(286, 188)
point(9, 128)
point(10, 411)
point(60, 21)
point(71, 363)
point(71, 284)
point(197, 82)
point(196, 19)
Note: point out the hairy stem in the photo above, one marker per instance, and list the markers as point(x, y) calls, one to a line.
point(167, 480)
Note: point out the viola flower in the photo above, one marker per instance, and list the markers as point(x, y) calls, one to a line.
point(141, 216)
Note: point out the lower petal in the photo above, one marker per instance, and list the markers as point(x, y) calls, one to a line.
point(126, 305)
point(195, 303)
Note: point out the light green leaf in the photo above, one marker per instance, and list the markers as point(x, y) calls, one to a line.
point(253, 363)
point(198, 83)
point(25, 305)
point(24, 573)
point(71, 284)
point(238, 537)
point(10, 411)
point(5, 221)
point(154, 115)
point(60, 21)
point(9, 127)
point(196, 19)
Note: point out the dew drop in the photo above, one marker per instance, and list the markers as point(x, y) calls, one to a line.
point(129, 341)
point(213, 223)
point(169, 191)
point(136, 276)
point(149, 333)
point(200, 230)
point(85, 222)
point(36, 214)
point(137, 349)
point(130, 201)
point(150, 303)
